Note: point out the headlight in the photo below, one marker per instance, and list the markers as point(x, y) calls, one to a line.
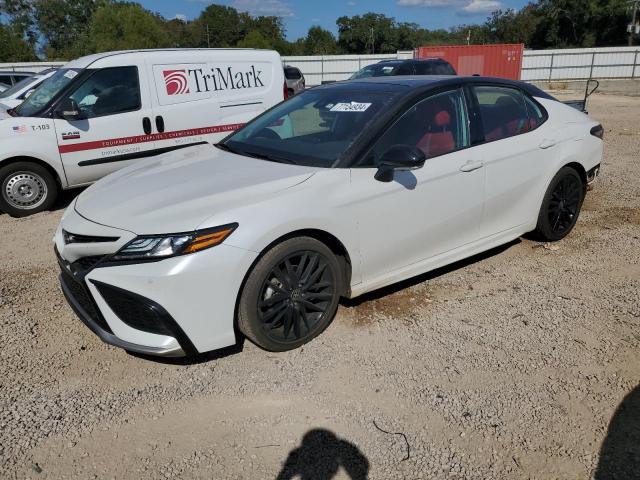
point(157, 247)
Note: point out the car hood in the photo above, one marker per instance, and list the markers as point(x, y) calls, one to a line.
point(178, 191)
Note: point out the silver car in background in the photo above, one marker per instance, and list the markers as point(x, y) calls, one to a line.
point(295, 80)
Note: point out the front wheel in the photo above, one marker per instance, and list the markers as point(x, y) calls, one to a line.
point(560, 206)
point(26, 188)
point(290, 295)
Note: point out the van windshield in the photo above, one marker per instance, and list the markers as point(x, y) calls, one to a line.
point(46, 92)
point(25, 82)
point(314, 128)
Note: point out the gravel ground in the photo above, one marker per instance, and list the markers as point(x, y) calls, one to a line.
point(520, 363)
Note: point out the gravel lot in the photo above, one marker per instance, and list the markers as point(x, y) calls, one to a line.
point(521, 363)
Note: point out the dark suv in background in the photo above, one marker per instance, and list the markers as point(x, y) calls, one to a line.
point(427, 66)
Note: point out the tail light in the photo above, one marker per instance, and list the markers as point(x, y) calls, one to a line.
point(285, 90)
point(597, 131)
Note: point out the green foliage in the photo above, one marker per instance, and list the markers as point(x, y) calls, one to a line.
point(254, 40)
point(319, 42)
point(122, 26)
point(13, 47)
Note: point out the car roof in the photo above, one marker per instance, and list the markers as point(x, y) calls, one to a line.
point(411, 83)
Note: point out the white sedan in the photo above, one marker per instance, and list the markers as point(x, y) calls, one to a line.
point(340, 190)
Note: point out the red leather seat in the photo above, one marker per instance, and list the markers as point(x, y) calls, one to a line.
point(439, 140)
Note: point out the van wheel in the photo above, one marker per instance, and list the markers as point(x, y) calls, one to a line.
point(290, 295)
point(26, 188)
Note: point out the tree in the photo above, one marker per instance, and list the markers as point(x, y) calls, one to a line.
point(320, 42)
point(63, 25)
point(13, 47)
point(371, 32)
point(123, 26)
point(254, 40)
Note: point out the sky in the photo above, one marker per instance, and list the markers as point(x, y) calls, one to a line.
point(299, 15)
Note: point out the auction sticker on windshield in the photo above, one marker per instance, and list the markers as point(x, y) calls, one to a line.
point(350, 107)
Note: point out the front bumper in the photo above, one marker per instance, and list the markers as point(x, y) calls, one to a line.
point(173, 307)
point(109, 337)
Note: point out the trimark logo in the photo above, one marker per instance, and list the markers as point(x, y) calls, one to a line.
point(176, 82)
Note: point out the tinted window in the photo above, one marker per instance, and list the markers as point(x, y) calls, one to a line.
point(404, 69)
point(6, 79)
point(19, 86)
point(536, 115)
point(503, 112)
point(314, 128)
point(109, 91)
point(377, 70)
point(292, 73)
point(436, 125)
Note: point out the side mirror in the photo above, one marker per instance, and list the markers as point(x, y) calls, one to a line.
point(69, 110)
point(399, 157)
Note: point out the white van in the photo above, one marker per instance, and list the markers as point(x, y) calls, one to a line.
point(102, 112)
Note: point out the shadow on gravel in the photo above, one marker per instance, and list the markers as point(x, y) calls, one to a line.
point(410, 282)
point(195, 359)
point(620, 451)
point(321, 455)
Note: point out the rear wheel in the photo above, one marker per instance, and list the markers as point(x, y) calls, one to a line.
point(291, 295)
point(560, 206)
point(26, 188)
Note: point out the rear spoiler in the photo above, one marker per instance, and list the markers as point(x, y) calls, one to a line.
point(581, 105)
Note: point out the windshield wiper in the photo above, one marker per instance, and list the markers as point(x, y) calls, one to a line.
point(261, 156)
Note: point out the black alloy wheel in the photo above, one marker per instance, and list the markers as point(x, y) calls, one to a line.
point(565, 204)
point(290, 295)
point(560, 206)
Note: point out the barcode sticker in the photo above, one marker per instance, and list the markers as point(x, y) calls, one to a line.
point(350, 107)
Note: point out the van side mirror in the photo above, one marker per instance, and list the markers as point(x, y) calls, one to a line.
point(69, 110)
point(399, 157)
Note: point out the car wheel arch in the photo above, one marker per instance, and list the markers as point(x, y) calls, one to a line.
point(330, 240)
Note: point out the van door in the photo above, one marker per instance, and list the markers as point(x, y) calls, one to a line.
point(203, 102)
point(116, 126)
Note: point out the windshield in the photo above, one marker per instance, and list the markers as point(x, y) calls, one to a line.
point(18, 86)
point(376, 70)
point(46, 92)
point(314, 128)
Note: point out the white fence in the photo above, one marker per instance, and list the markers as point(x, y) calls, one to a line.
point(566, 64)
point(541, 65)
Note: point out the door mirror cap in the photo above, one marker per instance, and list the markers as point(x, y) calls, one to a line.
point(401, 158)
point(69, 110)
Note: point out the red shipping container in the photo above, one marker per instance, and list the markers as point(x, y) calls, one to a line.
point(502, 60)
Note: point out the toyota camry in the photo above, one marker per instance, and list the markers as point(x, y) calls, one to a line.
point(341, 190)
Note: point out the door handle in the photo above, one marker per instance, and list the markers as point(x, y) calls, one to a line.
point(160, 124)
point(547, 143)
point(471, 166)
point(146, 125)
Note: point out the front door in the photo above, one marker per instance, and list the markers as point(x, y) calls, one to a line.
point(425, 212)
point(113, 132)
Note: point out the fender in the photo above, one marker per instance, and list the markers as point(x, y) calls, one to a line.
point(26, 142)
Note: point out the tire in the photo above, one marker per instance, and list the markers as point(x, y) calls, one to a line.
point(26, 188)
point(291, 294)
point(560, 206)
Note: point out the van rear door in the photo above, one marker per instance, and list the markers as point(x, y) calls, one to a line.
point(115, 129)
point(212, 94)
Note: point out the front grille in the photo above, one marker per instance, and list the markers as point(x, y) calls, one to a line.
point(85, 264)
point(81, 295)
point(77, 238)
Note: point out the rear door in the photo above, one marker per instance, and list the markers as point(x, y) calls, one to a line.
point(516, 153)
point(115, 103)
point(204, 98)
